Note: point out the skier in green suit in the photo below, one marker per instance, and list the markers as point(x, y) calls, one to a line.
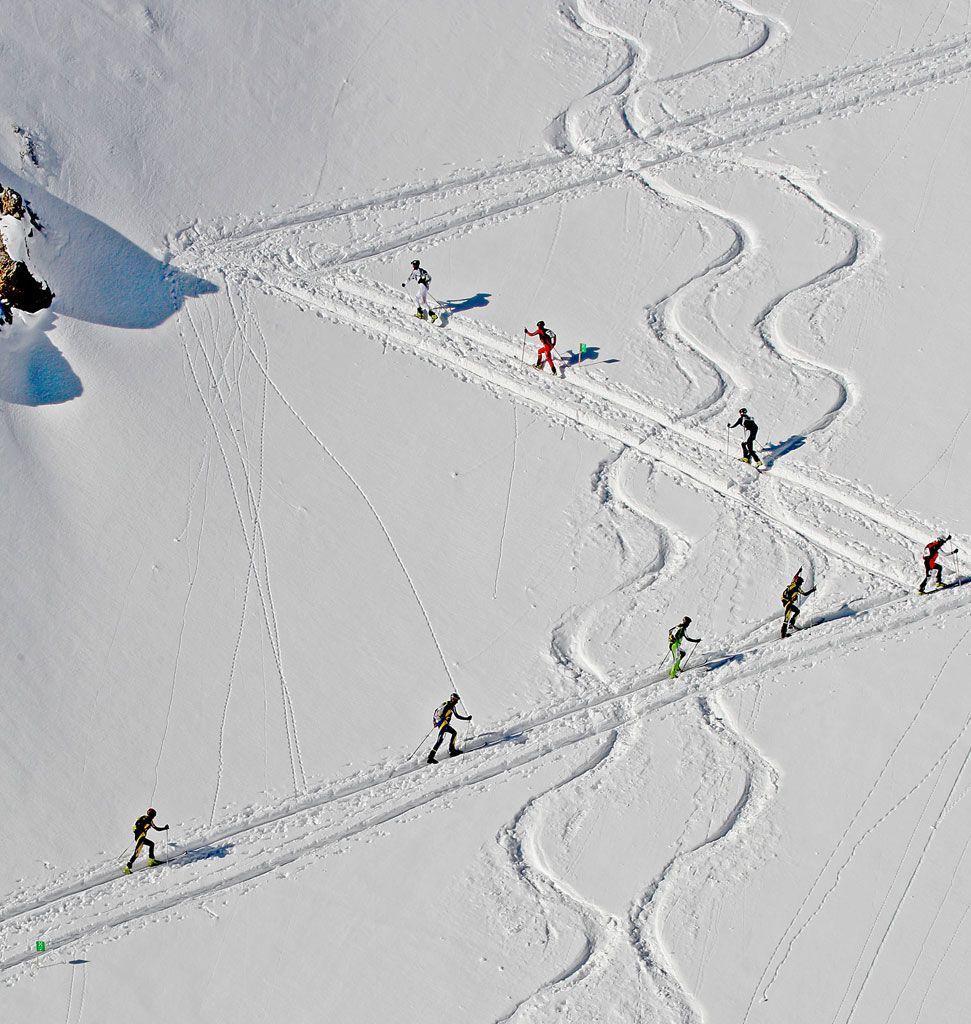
point(676, 636)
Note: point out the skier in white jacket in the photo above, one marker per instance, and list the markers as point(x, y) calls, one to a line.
point(423, 279)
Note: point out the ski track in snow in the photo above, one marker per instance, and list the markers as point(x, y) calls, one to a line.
point(268, 840)
point(277, 257)
point(761, 776)
point(524, 852)
point(771, 33)
point(931, 833)
point(192, 572)
point(645, 923)
point(250, 572)
point(252, 543)
point(505, 511)
point(802, 919)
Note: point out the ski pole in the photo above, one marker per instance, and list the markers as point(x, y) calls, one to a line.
point(468, 725)
point(420, 745)
point(523, 359)
point(728, 441)
point(688, 656)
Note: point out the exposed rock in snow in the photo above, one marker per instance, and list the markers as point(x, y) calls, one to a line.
point(19, 288)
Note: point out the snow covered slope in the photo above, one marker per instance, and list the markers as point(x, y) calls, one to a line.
point(260, 520)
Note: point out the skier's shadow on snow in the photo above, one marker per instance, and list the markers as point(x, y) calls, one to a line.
point(719, 660)
point(476, 301)
point(98, 276)
point(205, 853)
point(843, 612)
point(589, 354)
point(779, 448)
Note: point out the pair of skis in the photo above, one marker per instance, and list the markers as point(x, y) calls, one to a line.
point(126, 870)
point(940, 586)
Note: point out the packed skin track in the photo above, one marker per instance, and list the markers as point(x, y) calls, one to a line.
point(343, 261)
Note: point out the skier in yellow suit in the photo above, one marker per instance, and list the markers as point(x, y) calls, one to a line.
point(790, 596)
point(443, 716)
point(141, 827)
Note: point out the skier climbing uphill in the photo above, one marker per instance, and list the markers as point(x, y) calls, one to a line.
point(141, 827)
point(790, 597)
point(751, 428)
point(676, 636)
point(931, 554)
point(547, 341)
point(423, 279)
point(442, 720)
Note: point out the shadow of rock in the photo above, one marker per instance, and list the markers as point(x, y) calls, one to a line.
point(32, 369)
point(97, 274)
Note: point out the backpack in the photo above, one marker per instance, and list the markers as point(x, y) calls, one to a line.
point(424, 277)
point(439, 717)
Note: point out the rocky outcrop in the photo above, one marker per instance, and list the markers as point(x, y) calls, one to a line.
point(19, 289)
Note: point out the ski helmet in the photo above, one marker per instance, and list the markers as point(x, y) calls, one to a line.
point(743, 412)
point(540, 323)
point(455, 697)
point(415, 264)
point(687, 620)
point(151, 812)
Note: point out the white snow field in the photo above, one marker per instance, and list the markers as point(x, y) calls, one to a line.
point(259, 520)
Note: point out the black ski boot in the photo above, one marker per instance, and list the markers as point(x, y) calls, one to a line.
point(454, 753)
point(431, 758)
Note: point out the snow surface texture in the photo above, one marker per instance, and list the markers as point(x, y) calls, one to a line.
point(261, 520)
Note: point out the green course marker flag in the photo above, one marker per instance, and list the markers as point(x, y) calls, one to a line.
point(41, 946)
point(583, 349)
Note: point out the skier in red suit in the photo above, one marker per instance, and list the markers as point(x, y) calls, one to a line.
point(547, 343)
point(931, 553)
